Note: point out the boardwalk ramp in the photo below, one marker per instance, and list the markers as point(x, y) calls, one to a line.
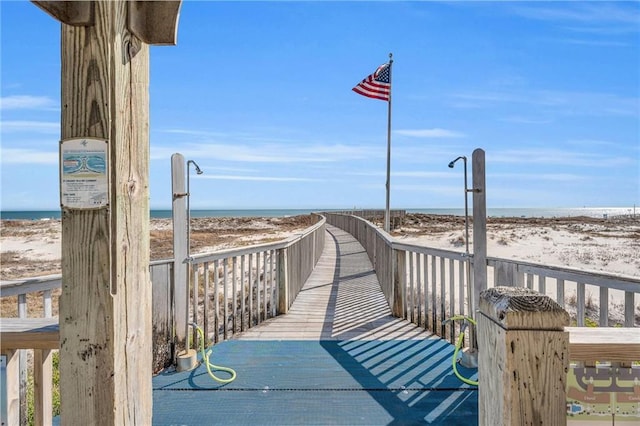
point(337, 358)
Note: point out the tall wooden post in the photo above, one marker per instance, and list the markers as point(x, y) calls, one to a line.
point(105, 306)
point(181, 268)
point(523, 359)
point(478, 189)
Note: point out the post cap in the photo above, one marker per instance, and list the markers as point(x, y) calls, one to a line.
point(522, 308)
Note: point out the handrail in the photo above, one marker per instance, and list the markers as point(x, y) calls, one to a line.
point(424, 282)
point(239, 288)
point(30, 285)
point(240, 251)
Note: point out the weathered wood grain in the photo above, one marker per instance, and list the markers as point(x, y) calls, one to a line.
point(105, 306)
point(523, 358)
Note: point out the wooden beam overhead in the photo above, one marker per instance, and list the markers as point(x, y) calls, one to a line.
point(76, 13)
point(155, 22)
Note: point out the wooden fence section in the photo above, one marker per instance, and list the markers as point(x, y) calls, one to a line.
point(556, 282)
point(423, 285)
point(277, 272)
point(234, 290)
point(426, 286)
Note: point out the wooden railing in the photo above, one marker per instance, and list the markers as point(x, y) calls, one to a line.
point(283, 268)
point(240, 288)
point(426, 285)
point(571, 286)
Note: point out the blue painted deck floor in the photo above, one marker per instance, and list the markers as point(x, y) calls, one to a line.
point(337, 358)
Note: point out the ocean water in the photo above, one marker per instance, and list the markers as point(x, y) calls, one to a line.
point(598, 212)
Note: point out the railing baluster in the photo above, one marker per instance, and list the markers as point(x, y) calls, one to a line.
point(264, 286)
point(216, 301)
point(250, 281)
point(530, 281)
point(242, 293)
point(560, 292)
point(425, 263)
point(604, 307)
point(443, 302)
point(434, 300)
point(257, 288)
point(234, 296)
point(419, 288)
point(194, 316)
point(629, 307)
point(452, 298)
point(46, 301)
point(542, 284)
point(22, 360)
point(225, 307)
point(409, 299)
point(462, 272)
point(274, 287)
point(206, 302)
point(580, 305)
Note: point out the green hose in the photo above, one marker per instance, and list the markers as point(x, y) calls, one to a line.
point(454, 360)
point(213, 367)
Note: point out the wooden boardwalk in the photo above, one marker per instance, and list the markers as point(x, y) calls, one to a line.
point(341, 300)
point(338, 357)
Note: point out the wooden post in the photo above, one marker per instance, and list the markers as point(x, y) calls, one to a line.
point(479, 281)
point(283, 282)
point(105, 305)
point(180, 253)
point(523, 359)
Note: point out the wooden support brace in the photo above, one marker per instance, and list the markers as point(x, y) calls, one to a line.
point(153, 22)
point(76, 13)
point(523, 358)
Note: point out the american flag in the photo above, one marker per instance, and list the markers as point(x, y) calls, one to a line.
point(377, 85)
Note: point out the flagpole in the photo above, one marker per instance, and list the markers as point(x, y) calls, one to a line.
point(387, 213)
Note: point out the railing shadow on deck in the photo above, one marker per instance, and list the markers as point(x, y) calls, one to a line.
point(411, 379)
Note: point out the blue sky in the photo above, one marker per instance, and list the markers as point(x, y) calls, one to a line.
point(259, 95)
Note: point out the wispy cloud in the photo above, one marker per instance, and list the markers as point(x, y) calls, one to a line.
point(598, 43)
point(28, 102)
point(277, 153)
point(559, 157)
point(535, 177)
point(430, 133)
point(30, 126)
point(555, 102)
point(27, 156)
point(582, 12)
point(257, 178)
point(526, 120)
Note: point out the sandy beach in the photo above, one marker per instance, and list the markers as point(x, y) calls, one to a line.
point(32, 248)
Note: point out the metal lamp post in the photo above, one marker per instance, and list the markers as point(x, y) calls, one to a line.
point(198, 171)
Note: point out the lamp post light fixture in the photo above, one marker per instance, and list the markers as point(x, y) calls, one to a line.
point(198, 171)
point(466, 204)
